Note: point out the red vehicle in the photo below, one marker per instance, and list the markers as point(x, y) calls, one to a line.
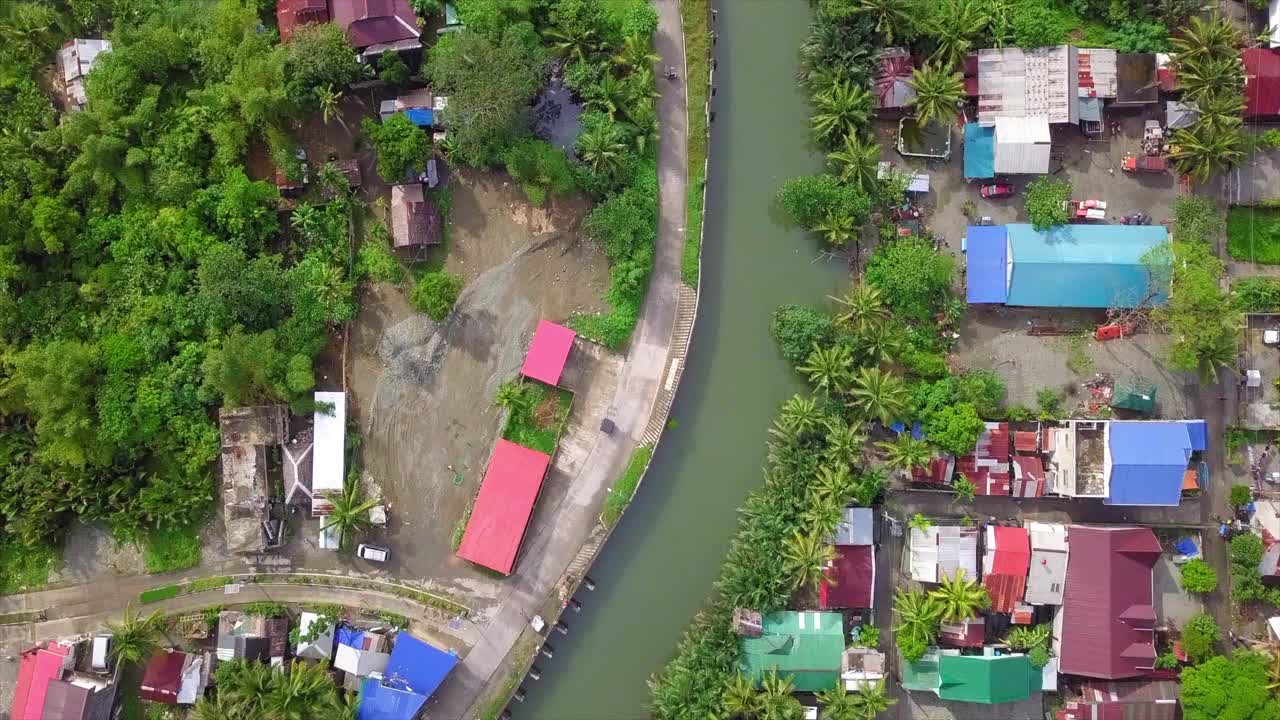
point(996, 190)
point(1144, 164)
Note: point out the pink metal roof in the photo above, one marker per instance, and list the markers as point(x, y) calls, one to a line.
point(40, 666)
point(851, 579)
point(504, 505)
point(1108, 618)
point(968, 633)
point(548, 352)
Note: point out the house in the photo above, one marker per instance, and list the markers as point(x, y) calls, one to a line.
point(850, 579)
point(893, 80)
point(1107, 625)
point(967, 633)
point(418, 105)
point(377, 26)
point(986, 679)
point(1261, 82)
point(1144, 699)
point(296, 468)
point(987, 467)
point(246, 432)
point(548, 352)
point(37, 668)
point(1047, 573)
point(413, 672)
point(175, 678)
point(320, 644)
point(1005, 562)
point(1076, 266)
point(328, 457)
point(292, 13)
point(861, 668)
point(251, 637)
point(1148, 460)
point(361, 653)
point(48, 686)
point(942, 551)
point(807, 645)
point(503, 507)
point(1022, 146)
point(1034, 83)
point(76, 58)
point(415, 220)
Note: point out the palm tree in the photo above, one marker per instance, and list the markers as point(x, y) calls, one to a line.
point(939, 92)
point(635, 53)
point(844, 441)
point(857, 162)
point(739, 698)
point(350, 513)
point(828, 368)
point(512, 396)
point(576, 43)
point(906, 454)
point(832, 481)
point(840, 110)
point(875, 700)
point(863, 306)
point(802, 412)
point(878, 395)
point(805, 558)
point(879, 344)
point(136, 637)
point(1209, 77)
point(776, 700)
point(216, 709)
point(245, 686)
point(890, 15)
point(1202, 38)
point(954, 24)
point(919, 522)
point(1222, 111)
point(1024, 637)
point(918, 615)
point(960, 598)
point(868, 487)
point(602, 148)
point(305, 693)
point(306, 220)
point(642, 120)
point(329, 110)
point(609, 96)
point(964, 489)
point(1203, 150)
point(785, 430)
point(836, 228)
point(822, 516)
point(840, 704)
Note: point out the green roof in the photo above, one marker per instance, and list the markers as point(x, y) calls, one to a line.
point(1138, 396)
point(922, 674)
point(805, 645)
point(987, 679)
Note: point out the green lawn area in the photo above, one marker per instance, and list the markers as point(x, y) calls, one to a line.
point(697, 51)
point(170, 549)
point(620, 494)
point(23, 567)
point(537, 423)
point(1253, 235)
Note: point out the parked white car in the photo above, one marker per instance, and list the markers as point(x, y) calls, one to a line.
point(373, 553)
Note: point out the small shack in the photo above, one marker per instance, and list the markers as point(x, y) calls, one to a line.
point(415, 220)
point(414, 671)
point(76, 58)
point(548, 352)
point(893, 80)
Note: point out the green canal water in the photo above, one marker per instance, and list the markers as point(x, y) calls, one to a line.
point(657, 569)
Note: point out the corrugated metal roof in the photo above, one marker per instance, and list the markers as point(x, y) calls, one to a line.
point(503, 506)
point(1022, 145)
point(987, 679)
point(1262, 82)
point(986, 280)
point(1084, 266)
point(942, 551)
point(1096, 72)
point(807, 645)
point(857, 527)
point(328, 457)
point(548, 352)
point(1148, 460)
point(1004, 566)
point(1013, 82)
point(852, 579)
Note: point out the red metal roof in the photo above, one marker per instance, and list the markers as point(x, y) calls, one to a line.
point(501, 513)
point(853, 573)
point(163, 678)
point(969, 633)
point(938, 472)
point(371, 22)
point(1025, 441)
point(292, 13)
point(548, 352)
point(1028, 476)
point(40, 666)
point(1108, 618)
point(1262, 82)
point(987, 466)
point(1006, 580)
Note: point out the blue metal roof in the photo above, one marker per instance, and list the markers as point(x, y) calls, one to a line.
point(1082, 266)
point(979, 152)
point(987, 274)
point(1148, 460)
point(1199, 432)
point(379, 702)
point(422, 117)
point(416, 666)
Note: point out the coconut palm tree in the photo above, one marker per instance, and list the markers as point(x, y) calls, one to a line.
point(306, 220)
point(216, 709)
point(832, 481)
point(635, 53)
point(868, 487)
point(602, 148)
point(840, 111)
point(785, 430)
point(828, 368)
point(964, 489)
point(821, 78)
point(939, 92)
point(1222, 111)
point(822, 515)
point(350, 513)
point(1023, 637)
point(776, 699)
point(840, 704)
point(960, 598)
point(136, 636)
point(918, 615)
point(1209, 77)
point(863, 306)
point(844, 441)
point(642, 121)
point(740, 699)
point(329, 109)
point(1203, 150)
point(954, 25)
point(305, 692)
point(609, 96)
point(879, 344)
point(805, 558)
point(802, 412)
point(875, 700)
point(878, 395)
point(836, 228)
point(244, 686)
point(890, 16)
point(857, 162)
point(576, 43)
point(906, 453)
point(1204, 38)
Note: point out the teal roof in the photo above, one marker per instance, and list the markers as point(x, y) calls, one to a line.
point(922, 674)
point(805, 645)
point(1081, 266)
point(987, 679)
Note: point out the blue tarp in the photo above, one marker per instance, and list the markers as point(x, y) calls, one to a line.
point(1186, 546)
point(1199, 432)
point(979, 152)
point(988, 271)
point(1080, 266)
point(1148, 460)
point(379, 702)
point(416, 666)
point(420, 116)
point(350, 637)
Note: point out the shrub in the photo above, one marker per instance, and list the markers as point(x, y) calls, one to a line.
point(172, 548)
point(1049, 404)
point(393, 70)
point(375, 261)
point(868, 636)
point(1038, 656)
point(912, 276)
point(1044, 198)
point(797, 328)
point(1167, 661)
point(265, 609)
point(1199, 637)
point(1198, 576)
point(1256, 294)
point(912, 648)
point(539, 168)
point(620, 494)
point(160, 593)
point(436, 293)
point(1241, 495)
point(401, 146)
point(806, 201)
point(955, 428)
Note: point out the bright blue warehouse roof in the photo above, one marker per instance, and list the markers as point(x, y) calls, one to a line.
point(979, 152)
point(1082, 266)
point(1198, 430)
point(1148, 460)
point(987, 275)
point(414, 671)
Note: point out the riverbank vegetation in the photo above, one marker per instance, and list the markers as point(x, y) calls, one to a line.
point(694, 15)
point(620, 494)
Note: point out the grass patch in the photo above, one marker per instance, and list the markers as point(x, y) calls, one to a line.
point(501, 695)
point(620, 494)
point(1253, 235)
point(697, 52)
point(1078, 359)
point(460, 527)
point(209, 583)
point(165, 592)
point(537, 422)
point(174, 548)
point(24, 567)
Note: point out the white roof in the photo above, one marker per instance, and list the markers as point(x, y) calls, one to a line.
point(328, 457)
point(1047, 574)
point(360, 662)
point(1014, 82)
point(1180, 114)
point(1273, 22)
point(855, 529)
point(193, 677)
point(1022, 145)
point(77, 57)
point(320, 648)
point(942, 552)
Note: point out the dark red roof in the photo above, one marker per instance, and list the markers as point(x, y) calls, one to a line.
point(1028, 476)
point(163, 678)
point(1025, 441)
point(1132, 700)
point(938, 472)
point(854, 574)
point(969, 633)
point(1006, 581)
point(548, 352)
point(1108, 618)
point(292, 13)
point(371, 22)
point(1262, 82)
point(503, 506)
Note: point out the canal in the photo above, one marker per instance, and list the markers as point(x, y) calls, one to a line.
point(657, 569)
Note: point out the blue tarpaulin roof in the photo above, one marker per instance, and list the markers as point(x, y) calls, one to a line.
point(979, 152)
point(1186, 546)
point(1148, 460)
point(350, 637)
point(1080, 266)
point(421, 117)
point(416, 666)
point(1199, 432)
point(379, 702)
point(987, 272)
